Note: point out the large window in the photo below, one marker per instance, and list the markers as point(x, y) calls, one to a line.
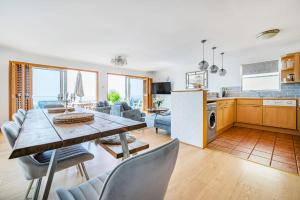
point(49, 83)
point(45, 85)
point(261, 76)
point(89, 82)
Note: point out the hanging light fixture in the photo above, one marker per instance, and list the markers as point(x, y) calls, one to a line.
point(119, 60)
point(222, 71)
point(214, 68)
point(203, 65)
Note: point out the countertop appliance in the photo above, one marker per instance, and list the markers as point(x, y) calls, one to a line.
point(211, 121)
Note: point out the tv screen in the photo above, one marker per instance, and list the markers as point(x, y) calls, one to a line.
point(161, 88)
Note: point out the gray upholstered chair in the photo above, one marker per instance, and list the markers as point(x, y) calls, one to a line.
point(19, 118)
point(142, 177)
point(35, 166)
point(103, 106)
point(22, 111)
point(163, 121)
point(122, 109)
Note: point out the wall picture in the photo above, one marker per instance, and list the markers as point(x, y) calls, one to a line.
point(196, 79)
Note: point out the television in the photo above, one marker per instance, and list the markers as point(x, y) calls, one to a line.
point(161, 88)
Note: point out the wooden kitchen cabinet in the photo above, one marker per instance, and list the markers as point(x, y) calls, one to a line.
point(249, 111)
point(228, 114)
point(225, 114)
point(280, 116)
point(220, 124)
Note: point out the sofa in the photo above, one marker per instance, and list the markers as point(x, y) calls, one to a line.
point(163, 121)
point(50, 104)
point(103, 106)
point(122, 109)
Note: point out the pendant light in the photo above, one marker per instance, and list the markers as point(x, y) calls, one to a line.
point(214, 68)
point(222, 71)
point(203, 65)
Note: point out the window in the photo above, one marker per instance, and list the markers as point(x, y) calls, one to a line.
point(48, 83)
point(261, 76)
point(89, 82)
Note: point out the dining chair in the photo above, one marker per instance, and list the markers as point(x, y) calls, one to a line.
point(35, 166)
point(145, 176)
point(22, 111)
point(18, 118)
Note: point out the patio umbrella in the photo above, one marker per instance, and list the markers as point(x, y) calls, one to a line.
point(78, 86)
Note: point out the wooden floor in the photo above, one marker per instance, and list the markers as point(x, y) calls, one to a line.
point(199, 174)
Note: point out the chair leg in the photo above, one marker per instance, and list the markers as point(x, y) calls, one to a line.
point(84, 171)
point(29, 189)
point(80, 170)
point(37, 189)
point(156, 130)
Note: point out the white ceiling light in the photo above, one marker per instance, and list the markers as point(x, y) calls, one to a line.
point(267, 34)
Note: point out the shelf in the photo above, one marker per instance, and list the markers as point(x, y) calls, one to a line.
point(287, 69)
point(287, 82)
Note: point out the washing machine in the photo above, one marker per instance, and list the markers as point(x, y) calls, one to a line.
point(211, 121)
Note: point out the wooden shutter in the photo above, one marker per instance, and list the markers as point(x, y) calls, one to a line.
point(20, 87)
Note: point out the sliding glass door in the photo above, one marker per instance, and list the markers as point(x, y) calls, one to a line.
point(133, 90)
point(46, 85)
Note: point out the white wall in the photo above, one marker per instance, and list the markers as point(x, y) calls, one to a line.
point(8, 54)
point(232, 62)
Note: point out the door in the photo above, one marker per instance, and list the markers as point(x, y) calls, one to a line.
point(220, 118)
point(228, 114)
point(46, 85)
point(20, 87)
point(249, 114)
point(279, 116)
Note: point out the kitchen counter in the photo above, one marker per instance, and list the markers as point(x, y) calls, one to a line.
point(209, 100)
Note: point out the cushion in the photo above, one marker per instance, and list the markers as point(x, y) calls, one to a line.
point(106, 103)
point(166, 120)
point(100, 104)
point(86, 191)
point(125, 106)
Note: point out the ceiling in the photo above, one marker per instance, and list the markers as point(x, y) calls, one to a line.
point(152, 34)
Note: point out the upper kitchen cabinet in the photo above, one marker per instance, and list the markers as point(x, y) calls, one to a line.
point(290, 69)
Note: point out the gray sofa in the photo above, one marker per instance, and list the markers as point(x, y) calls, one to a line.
point(103, 106)
point(122, 109)
point(50, 104)
point(163, 121)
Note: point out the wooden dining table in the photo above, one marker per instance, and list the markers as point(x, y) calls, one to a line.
point(38, 134)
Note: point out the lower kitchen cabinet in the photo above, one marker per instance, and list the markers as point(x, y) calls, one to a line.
point(225, 114)
point(249, 114)
point(280, 116)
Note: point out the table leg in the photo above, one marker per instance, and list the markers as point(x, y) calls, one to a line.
point(50, 173)
point(124, 144)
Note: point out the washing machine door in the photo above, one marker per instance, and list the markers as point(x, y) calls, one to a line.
point(212, 120)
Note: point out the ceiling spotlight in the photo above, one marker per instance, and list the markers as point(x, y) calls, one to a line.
point(267, 34)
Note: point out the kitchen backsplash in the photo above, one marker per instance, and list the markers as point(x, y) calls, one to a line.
point(287, 90)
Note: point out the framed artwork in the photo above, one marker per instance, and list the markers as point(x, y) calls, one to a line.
point(196, 79)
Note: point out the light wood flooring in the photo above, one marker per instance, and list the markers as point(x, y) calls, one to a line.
point(199, 174)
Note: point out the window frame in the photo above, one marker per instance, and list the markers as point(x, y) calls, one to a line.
point(261, 75)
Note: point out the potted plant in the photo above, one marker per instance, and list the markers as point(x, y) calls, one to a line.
point(157, 102)
point(113, 97)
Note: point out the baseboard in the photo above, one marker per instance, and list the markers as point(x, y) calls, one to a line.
point(267, 128)
point(224, 129)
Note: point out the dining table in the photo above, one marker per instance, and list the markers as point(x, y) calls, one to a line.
point(38, 134)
